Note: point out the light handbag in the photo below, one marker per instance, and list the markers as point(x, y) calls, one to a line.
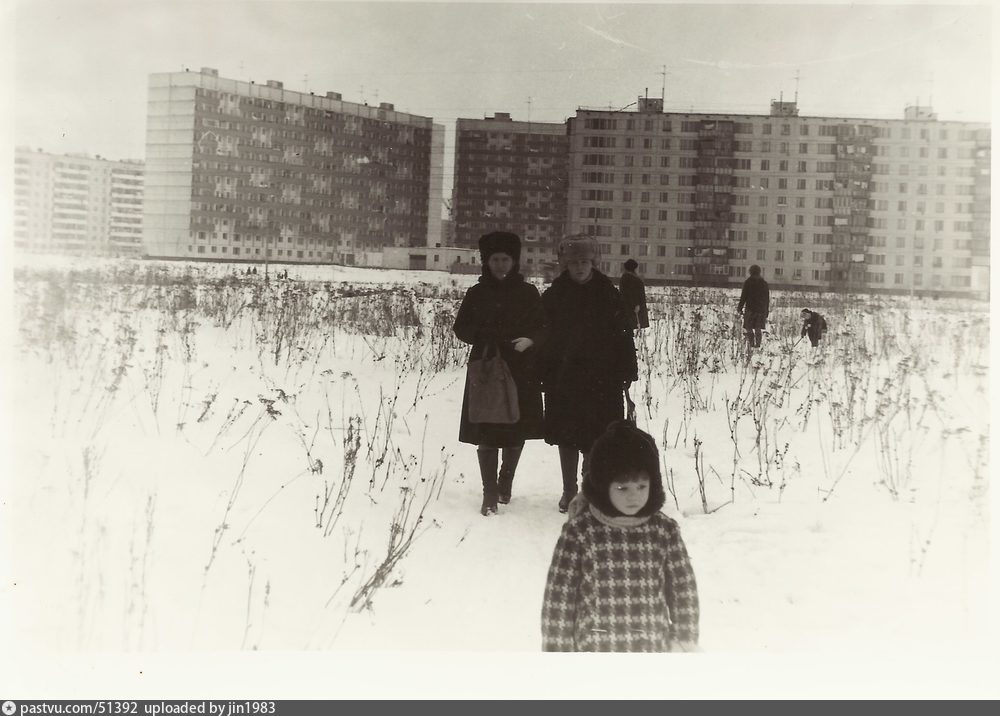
point(492, 390)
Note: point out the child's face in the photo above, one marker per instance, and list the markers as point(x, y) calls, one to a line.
point(805, 315)
point(630, 493)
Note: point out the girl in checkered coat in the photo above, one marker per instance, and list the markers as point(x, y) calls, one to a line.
point(620, 578)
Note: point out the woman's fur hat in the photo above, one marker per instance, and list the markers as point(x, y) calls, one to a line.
point(578, 246)
point(500, 242)
point(621, 451)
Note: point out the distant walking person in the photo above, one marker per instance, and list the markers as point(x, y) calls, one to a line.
point(755, 302)
point(502, 312)
point(813, 325)
point(633, 292)
point(588, 360)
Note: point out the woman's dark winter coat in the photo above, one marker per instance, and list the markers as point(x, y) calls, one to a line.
point(587, 360)
point(633, 292)
point(756, 298)
point(496, 312)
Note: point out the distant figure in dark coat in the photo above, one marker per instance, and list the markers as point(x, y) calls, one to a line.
point(755, 302)
point(813, 325)
point(503, 310)
point(588, 360)
point(633, 292)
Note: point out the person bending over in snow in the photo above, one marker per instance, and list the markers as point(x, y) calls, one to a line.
point(813, 325)
point(620, 577)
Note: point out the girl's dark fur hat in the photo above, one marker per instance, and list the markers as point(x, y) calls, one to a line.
point(755, 270)
point(623, 450)
point(630, 265)
point(500, 242)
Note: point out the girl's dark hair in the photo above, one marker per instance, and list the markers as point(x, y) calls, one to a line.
point(621, 451)
point(755, 270)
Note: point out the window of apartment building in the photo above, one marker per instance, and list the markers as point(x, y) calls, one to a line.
point(626, 232)
point(664, 197)
point(762, 200)
point(761, 218)
point(765, 183)
point(626, 212)
point(643, 214)
point(765, 146)
point(644, 197)
point(627, 179)
point(783, 165)
point(765, 165)
point(629, 160)
point(803, 149)
point(629, 142)
point(761, 254)
point(665, 143)
point(766, 129)
point(801, 167)
point(661, 250)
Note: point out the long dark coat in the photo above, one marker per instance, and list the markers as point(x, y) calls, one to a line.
point(496, 312)
point(633, 292)
point(755, 296)
point(586, 361)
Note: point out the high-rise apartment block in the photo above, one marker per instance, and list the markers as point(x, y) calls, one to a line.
point(77, 204)
point(241, 171)
point(818, 202)
point(511, 176)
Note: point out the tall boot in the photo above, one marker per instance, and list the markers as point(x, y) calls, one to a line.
point(511, 456)
point(488, 458)
point(569, 458)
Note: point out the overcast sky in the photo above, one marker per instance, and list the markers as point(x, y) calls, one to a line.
point(81, 66)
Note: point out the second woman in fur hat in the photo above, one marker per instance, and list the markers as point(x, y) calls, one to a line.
point(588, 359)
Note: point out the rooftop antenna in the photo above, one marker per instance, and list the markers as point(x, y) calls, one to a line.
point(663, 90)
point(529, 109)
point(796, 87)
point(305, 81)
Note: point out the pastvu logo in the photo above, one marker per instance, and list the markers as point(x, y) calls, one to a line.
point(8, 708)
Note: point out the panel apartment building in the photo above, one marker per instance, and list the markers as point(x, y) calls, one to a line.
point(818, 202)
point(247, 172)
point(77, 204)
point(511, 176)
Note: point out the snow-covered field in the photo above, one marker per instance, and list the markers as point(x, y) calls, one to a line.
point(204, 461)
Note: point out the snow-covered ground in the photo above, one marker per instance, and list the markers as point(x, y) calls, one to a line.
point(204, 461)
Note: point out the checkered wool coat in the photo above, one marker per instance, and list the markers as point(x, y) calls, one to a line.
point(614, 588)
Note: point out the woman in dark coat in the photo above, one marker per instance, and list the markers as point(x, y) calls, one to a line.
point(588, 359)
point(505, 311)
